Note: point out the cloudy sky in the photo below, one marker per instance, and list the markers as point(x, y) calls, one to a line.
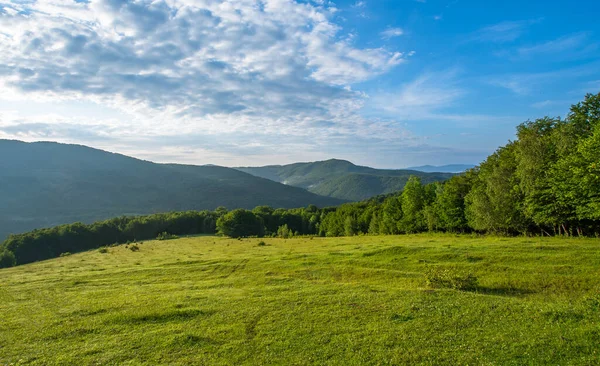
point(386, 83)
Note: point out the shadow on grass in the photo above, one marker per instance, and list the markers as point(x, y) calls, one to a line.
point(501, 291)
point(166, 317)
point(192, 340)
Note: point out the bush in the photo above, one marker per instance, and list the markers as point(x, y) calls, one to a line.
point(7, 259)
point(166, 236)
point(284, 232)
point(103, 250)
point(134, 248)
point(451, 278)
point(262, 243)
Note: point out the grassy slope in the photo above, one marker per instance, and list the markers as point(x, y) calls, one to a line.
point(352, 301)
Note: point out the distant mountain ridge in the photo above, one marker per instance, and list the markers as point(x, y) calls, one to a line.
point(451, 168)
point(46, 184)
point(342, 179)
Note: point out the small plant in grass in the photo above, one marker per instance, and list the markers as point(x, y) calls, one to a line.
point(134, 248)
point(166, 236)
point(103, 250)
point(593, 302)
point(262, 243)
point(450, 278)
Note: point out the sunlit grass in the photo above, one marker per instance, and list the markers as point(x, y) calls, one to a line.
point(361, 300)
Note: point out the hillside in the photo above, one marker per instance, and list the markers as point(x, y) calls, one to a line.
point(369, 300)
point(451, 168)
point(342, 179)
point(46, 184)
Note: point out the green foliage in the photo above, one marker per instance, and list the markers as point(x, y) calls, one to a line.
point(7, 258)
point(374, 224)
point(350, 226)
point(166, 236)
point(413, 202)
point(50, 243)
point(240, 223)
point(587, 173)
point(391, 216)
point(103, 250)
point(134, 248)
point(284, 232)
point(495, 201)
point(450, 203)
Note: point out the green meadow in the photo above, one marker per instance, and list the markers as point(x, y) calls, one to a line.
point(371, 300)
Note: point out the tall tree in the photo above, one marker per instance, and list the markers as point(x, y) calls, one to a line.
point(536, 153)
point(495, 202)
point(450, 202)
point(413, 202)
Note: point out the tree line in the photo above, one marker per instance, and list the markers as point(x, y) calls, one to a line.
point(546, 182)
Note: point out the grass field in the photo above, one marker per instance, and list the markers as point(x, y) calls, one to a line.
point(350, 301)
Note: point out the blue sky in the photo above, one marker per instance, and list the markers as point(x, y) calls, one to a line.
point(247, 82)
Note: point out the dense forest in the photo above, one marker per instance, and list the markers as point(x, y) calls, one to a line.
point(546, 182)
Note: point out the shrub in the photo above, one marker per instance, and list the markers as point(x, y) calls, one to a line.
point(284, 232)
point(134, 248)
point(166, 236)
point(451, 278)
point(103, 250)
point(7, 259)
point(262, 243)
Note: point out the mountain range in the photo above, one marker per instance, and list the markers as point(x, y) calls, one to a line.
point(45, 184)
point(451, 168)
point(342, 179)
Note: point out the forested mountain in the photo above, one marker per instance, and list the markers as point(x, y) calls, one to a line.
point(45, 184)
point(452, 168)
point(342, 179)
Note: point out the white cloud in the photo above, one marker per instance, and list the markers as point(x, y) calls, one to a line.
point(391, 33)
point(530, 83)
point(188, 67)
point(546, 104)
point(434, 97)
point(420, 98)
point(503, 32)
point(569, 47)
